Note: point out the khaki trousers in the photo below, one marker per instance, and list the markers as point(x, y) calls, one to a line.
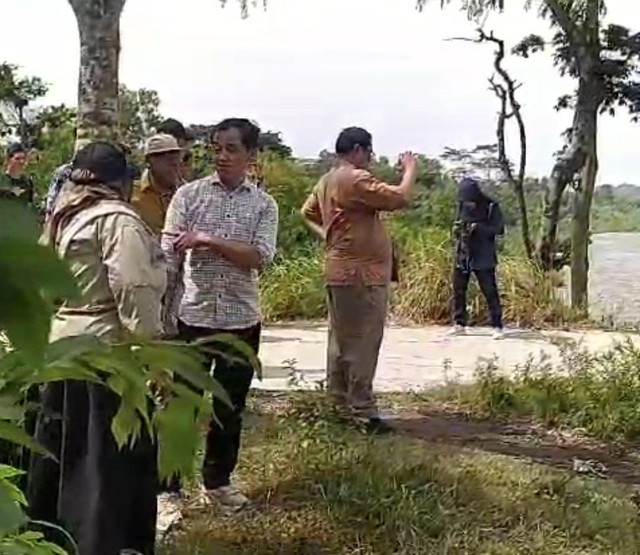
point(357, 316)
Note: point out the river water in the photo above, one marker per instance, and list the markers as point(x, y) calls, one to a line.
point(614, 289)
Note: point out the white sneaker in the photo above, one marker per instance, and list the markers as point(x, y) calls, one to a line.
point(498, 334)
point(169, 512)
point(229, 497)
point(456, 331)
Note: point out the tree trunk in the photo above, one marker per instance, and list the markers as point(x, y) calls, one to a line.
point(567, 165)
point(590, 96)
point(580, 235)
point(99, 28)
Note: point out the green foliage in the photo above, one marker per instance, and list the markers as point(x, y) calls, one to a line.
point(323, 487)
point(293, 287)
point(612, 214)
point(138, 115)
point(26, 296)
point(32, 279)
point(596, 393)
point(54, 132)
point(289, 185)
point(16, 93)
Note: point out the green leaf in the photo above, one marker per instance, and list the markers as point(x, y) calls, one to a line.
point(72, 347)
point(11, 407)
point(18, 222)
point(11, 514)
point(223, 343)
point(26, 296)
point(7, 472)
point(178, 438)
point(15, 434)
point(125, 425)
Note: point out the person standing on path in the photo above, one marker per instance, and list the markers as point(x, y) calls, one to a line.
point(104, 495)
point(344, 209)
point(159, 182)
point(221, 230)
point(478, 224)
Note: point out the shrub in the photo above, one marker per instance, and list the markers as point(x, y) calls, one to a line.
point(597, 393)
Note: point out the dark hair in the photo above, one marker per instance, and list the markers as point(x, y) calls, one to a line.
point(249, 131)
point(15, 148)
point(174, 128)
point(352, 137)
point(100, 162)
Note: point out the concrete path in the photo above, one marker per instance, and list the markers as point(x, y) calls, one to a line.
point(416, 358)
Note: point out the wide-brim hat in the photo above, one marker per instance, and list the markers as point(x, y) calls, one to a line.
point(161, 144)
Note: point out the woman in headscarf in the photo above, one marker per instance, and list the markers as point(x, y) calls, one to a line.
point(478, 224)
point(105, 496)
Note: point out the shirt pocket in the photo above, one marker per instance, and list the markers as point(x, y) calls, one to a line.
point(244, 224)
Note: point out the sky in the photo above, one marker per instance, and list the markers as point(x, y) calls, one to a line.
point(308, 68)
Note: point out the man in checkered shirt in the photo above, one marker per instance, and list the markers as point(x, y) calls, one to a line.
point(221, 230)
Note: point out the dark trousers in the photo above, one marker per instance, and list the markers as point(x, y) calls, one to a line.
point(104, 496)
point(235, 376)
point(489, 287)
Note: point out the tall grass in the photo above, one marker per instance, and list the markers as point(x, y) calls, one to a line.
point(293, 288)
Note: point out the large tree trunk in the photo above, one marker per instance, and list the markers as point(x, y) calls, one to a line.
point(567, 165)
point(580, 234)
point(580, 152)
point(99, 28)
point(589, 99)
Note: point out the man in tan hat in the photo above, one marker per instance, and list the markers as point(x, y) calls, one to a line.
point(154, 191)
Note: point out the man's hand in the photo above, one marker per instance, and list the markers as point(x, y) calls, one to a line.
point(191, 240)
point(409, 162)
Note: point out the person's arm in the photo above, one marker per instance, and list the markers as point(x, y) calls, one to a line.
point(248, 256)
point(495, 224)
point(381, 196)
point(176, 222)
point(312, 215)
point(136, 273)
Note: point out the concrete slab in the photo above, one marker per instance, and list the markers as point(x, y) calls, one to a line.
point(417, 358)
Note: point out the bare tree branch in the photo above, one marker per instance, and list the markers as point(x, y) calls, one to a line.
point(509, 108)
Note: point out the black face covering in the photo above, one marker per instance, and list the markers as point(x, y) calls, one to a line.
point(473, 203)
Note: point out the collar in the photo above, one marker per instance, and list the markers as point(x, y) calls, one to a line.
point(247, 184)
point(146, 183)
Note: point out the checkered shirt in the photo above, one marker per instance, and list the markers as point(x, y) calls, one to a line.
point(216, 293)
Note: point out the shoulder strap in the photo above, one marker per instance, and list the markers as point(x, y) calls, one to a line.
point(88, 216)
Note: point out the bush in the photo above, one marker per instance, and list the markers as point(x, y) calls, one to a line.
point(599, 394)
point(293, 289)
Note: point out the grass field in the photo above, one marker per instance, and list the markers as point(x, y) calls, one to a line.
point(444, 484)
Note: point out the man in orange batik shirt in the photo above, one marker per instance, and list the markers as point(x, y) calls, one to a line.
point(344, 209)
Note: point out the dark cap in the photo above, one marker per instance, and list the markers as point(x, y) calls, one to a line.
point(105, 160)
point(15, 148)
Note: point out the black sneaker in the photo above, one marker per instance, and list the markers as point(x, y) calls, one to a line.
point(378, 427)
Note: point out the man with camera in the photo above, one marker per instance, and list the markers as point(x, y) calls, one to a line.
point(478, 223)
